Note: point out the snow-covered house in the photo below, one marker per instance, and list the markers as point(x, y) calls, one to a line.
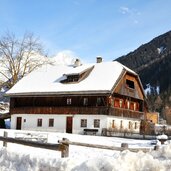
point(73, 98)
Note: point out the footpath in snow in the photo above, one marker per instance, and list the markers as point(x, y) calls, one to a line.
point(23, 158)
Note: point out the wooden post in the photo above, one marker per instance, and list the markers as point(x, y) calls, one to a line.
point(124, 146)
point(156, 147)
point(5, 136)
point(65, 148)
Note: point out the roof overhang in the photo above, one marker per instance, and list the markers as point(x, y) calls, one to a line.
point(65, 93)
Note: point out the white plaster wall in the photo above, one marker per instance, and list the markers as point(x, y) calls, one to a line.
point(60, 122)
point(31, 122)
point(90, 123)
point(125, 123)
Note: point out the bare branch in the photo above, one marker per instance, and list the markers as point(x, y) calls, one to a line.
point(19, 57)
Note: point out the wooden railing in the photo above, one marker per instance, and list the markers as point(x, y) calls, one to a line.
point(63, 148)
point(63, 145)
point(121, 112)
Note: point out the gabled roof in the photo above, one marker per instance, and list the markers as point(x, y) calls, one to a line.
point(48, 80)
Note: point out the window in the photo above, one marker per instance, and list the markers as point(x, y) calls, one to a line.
point(132, 105)
point(99, 101)
point(120, 103)
point(135, 106)
point(135, 125)
point(85, 101)
point(130, 125)
point(113, 123)
point(51, 122)
point(96, 123)
point(73, 78)
point(39, 122)
point(24, 120)
point(70, 78)
point(83, 123)
point(128, 104)
point(116, 103)
point(121, 124)
point(69, 101)
point(130, 84)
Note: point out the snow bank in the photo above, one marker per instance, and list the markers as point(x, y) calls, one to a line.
point(23, 158)
point(126, 160)
point(163, 136)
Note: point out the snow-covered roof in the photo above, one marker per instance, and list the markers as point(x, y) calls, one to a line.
point(47, 80)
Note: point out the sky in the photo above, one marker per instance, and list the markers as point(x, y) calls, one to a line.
point(87, 28)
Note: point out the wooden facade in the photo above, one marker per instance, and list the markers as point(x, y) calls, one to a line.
point(127, 100)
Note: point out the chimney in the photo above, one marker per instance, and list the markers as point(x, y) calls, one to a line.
point(77, 63)
point(99, 59)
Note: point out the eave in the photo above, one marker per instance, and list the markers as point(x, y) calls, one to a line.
point(65, 93)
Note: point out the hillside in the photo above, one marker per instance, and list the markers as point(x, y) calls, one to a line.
point(152, 61)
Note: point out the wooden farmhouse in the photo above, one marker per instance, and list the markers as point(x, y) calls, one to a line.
point(79, 98)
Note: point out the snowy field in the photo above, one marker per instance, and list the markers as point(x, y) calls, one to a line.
point(24, 158)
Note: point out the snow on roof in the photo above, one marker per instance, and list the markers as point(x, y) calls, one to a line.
point(79, 70)
point(48, 79)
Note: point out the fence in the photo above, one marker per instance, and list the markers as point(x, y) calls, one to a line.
point(63, 148)
point(124, 146)
point(63, 145)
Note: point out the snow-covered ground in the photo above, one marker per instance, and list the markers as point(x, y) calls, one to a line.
point(23, 158)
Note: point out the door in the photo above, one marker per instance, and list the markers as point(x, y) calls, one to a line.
point(18, 124)
point(69, 124)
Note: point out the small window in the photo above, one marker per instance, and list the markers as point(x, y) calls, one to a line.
point(51, 122)
point(113, 123)
point(83, 123)
point(135, 105)
point(121, 124)
point(128, 104)
point(24, 120)
point(99, 101)
point(85, 101)
point(96, 123)
point(120, 103)
point(130, 125)
point(132, 105)
point(135, 125)
point(130, 84)
point(39, 122)
point(116, 103)
point(69, 101)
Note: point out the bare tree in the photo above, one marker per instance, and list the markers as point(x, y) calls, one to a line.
point(19, 57)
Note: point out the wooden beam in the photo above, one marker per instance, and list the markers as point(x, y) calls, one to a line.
point(48, 146)
point(104, 146)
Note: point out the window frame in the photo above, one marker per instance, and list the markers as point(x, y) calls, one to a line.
point(96, 123)
point(121, 124)
point(135, 125)
point(69, 101)
point(51, 122)
point(39, 122)
point(83, 123)
point(130, 84)
point(113, 123)
point(85, 101)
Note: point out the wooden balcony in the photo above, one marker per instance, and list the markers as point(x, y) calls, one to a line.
point(120, 112)
point(60, 110)
point(101, 110)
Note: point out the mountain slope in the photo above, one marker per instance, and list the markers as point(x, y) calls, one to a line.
point(152, 61)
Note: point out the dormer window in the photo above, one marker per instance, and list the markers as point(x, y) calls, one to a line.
point(72, 78)
point(130, 84)
point(76, 77)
